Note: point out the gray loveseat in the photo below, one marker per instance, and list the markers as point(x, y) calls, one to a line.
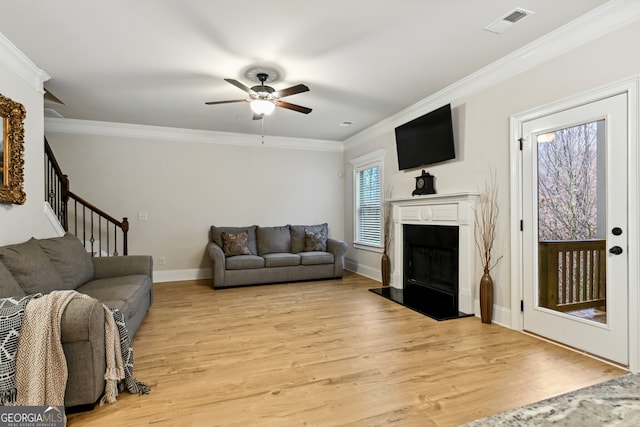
point(61, 263)
point(255, 255)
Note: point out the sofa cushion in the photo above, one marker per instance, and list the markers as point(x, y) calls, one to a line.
point(282, 259)
point(297, 235)
point(273, 239)
point(216, 236)
point(126, 293)
point(244, 262)
point(70, 258)
point(31, 268)
point(315, 241)
point(314, 258)
point(8, 285)
point(235, 244)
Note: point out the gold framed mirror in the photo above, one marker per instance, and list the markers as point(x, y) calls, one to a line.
point(12, 115)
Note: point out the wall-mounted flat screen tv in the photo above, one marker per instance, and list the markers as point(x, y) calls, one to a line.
point(426, 140)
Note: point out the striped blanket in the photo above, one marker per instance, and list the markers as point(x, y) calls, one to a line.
point(40, 365)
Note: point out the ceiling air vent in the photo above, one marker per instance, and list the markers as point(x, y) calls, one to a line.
point(515, 16)
point(502, 24)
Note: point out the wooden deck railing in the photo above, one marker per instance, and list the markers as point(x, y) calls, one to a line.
point(572, 274)
point(101, 234)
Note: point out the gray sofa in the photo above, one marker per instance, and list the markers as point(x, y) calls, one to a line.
point(61, 263)
point(255, 255)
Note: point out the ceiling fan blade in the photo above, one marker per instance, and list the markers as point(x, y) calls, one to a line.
point(240, 86)
point(48, 96)
point(291, 91)
point(226, 102)
point(294, 107)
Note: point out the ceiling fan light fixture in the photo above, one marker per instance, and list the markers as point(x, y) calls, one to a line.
point(262, 106)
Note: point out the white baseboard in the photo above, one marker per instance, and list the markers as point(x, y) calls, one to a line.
point(363, 270)
point(501, 315)
point(179, 275)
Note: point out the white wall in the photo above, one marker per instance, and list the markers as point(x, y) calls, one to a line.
point(21, 81)
point(187, 184)
point(482, 131)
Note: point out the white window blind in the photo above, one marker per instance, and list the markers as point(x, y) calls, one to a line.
point(368, 205)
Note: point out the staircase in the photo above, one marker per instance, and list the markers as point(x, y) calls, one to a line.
point(101, 234)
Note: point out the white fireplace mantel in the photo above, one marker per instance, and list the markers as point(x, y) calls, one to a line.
point(456, 209)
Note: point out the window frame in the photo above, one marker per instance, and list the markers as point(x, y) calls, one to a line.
point(367, 161)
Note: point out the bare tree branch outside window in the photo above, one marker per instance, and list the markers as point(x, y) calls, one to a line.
point(567, 183)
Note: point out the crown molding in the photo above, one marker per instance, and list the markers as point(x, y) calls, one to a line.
point(22, 66)
point(374, 156)
point(609, 17)
point(126, 130)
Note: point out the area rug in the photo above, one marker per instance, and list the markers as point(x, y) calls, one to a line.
point(613, 403)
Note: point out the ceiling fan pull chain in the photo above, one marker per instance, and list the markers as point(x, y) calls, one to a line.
point(262, 128)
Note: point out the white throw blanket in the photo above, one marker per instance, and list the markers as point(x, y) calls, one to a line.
point(41, 368)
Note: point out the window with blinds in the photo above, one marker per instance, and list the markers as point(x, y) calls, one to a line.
point(368, 221)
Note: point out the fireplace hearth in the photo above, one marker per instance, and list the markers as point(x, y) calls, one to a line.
point(423, 301)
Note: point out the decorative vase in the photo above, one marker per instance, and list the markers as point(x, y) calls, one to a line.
point(486, 297)
point(385, 269)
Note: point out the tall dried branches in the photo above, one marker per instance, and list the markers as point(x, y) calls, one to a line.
point(486, 218)
point(387, 224)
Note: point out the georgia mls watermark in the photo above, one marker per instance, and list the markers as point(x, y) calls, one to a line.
point(32, 416)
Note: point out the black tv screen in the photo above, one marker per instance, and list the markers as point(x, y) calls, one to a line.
point(426, 140)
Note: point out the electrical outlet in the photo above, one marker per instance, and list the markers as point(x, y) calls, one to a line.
point(143, 216)
point(161, 260)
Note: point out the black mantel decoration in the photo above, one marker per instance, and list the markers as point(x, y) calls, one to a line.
point(424, 184)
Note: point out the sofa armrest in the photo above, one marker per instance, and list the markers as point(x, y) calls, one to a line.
point(83, 320)
point(338, 248)
point(116, 266)
point(82, 337)
point(217, 263)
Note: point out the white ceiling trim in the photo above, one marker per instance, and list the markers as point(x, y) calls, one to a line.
point(22, 66)
point(126, 130)
point(602, 20)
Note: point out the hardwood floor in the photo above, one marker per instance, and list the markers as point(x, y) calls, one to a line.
point(328, 353)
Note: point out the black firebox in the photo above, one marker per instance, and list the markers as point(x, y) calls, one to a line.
point(431, 263)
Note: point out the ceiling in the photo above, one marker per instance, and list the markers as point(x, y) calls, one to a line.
point(156, 62)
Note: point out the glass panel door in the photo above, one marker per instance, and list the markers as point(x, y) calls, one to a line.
point(574, 206)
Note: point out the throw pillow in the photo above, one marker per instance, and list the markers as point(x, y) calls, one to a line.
point(297, 235)
point(235, 244)
point(216, 236)
point(315, 241)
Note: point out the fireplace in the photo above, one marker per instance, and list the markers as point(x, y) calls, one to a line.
point(430, 259)
point(437, 233)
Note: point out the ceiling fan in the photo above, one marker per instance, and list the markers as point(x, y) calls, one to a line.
point(264, 99)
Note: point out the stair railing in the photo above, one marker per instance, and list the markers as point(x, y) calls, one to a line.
point(97, 230)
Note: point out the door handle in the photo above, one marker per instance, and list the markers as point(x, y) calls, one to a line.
point(616, 250)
